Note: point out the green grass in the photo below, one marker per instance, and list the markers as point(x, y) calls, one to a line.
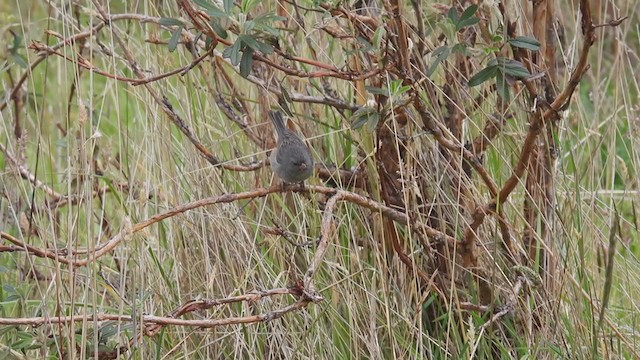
point(374, 306)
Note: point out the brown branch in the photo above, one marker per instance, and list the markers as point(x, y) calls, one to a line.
point(612, 23)
point(80, 61)
point(326, 232)
point(588, 32)
point(164, 102)
point(492, 129)
point(198, 305)
point(43, 253)
point(27, 175)
point(349, 76)
point(70, 40)
point(75, 199)
point(297, 97)
point(509, 306)
point(325, 228)
point(402, 39)
point(432, 126)
point(535, 125)
point(152, 319)
point(128, 229)
point(18, 85)
point(340, 11)
point(182, 71)
point(559, 103)
point(332, 71)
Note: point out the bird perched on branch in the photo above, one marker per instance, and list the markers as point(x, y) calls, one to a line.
point(291, 160)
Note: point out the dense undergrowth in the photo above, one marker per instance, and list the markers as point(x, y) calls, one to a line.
point(474, 196)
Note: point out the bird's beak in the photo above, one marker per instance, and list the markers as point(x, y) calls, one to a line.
point(303, 166)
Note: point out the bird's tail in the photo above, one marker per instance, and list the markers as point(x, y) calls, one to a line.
point(278, 122)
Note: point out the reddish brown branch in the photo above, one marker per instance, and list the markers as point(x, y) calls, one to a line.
point(331, 71)
point(128, 230)
point(199, 305)
point(27, 175)
point(432, 126)
point(588, 32)
point(612, 23)
point(161, 321)
point(68, 41)
point(535, 125)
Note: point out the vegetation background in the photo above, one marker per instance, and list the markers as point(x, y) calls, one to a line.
point(475, 194)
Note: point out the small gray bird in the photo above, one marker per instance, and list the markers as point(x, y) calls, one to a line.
point(291, 160)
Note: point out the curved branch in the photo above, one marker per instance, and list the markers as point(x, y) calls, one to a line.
point(128, 230)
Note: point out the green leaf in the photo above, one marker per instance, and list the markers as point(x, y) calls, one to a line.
point(248, 26)
point(170, 22)
point(433, 67)
point(233, 52)
point(377, 91)
point(466, 23)
point(17, 42)
point(247, 5)
point(525, 42)
point(394, 86)
point(175, 38)
point(459, 48)
point(378, 35)
point(256, 45)
point(467, 19)
point(483, 75)
point(20, 60)
point(265, 48)
point(12, 297)
point(490, 49)
point(211, 9)
point(206, 4)
point(502, 87)
point(250, 41)
point(453, 14)
point(228, 5)
point(401, 90)
point(267, 29)
point(246, 64)
point(365, 46)
point(440, 54)
point(199, 34)
point(468, 12)
point(220, 31)
point(513, 68)
point(263, 23)
point(448, 29)
point(285, 94)
point(217, 14)
point(267, 18)
point(364, 115)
